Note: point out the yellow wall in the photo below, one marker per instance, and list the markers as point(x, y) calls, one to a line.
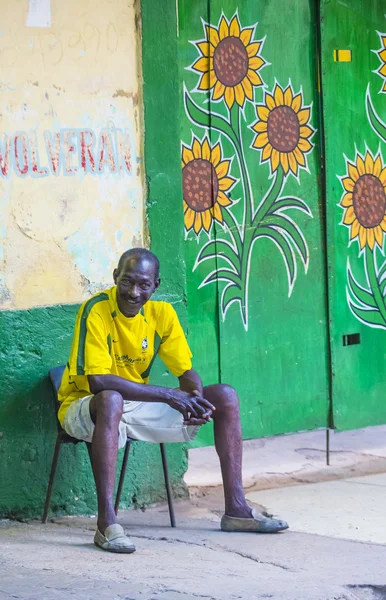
point(71, 194)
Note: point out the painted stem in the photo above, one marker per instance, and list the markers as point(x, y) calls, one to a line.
point(271, 197)
point(373, 281)
point(233, 227)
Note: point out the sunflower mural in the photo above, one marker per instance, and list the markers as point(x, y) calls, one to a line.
point(363, 202)
point(229, 66)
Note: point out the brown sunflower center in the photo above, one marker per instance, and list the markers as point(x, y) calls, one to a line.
point(369, 200)
point(199, 184)
point(283, 129)
point(230, 61)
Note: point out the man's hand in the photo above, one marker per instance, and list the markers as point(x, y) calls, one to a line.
point(194, 408)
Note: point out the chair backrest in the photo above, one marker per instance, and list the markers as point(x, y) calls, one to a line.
point(55, 376)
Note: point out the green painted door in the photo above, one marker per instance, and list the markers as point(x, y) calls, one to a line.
point(253, 208)
point(354, 97)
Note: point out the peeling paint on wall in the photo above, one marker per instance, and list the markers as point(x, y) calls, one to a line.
point(71, 194)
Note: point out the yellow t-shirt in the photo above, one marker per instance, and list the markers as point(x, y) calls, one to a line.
point(105, 341)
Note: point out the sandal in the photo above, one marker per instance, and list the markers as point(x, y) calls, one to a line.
point(114, 540)
point(258, 523)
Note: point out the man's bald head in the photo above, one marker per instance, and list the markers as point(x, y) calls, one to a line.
point(139, 254)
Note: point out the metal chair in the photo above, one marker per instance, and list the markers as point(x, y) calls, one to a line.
point(55, 376)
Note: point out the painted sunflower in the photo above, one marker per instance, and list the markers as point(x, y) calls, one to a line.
point(382, 57)
point(204, 183)
point(364, 200)
point(283, 130)
point(230, 62)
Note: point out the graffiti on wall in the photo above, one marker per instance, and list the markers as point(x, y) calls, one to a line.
point(67, 152)
point(229, 67)
point(364, 204)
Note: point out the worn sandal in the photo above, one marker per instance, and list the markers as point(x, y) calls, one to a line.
point(258, 523)
point(114, 540)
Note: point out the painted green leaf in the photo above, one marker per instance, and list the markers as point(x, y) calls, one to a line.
point(205, 119)
point(361, 295)
point(218, 249)
point(381, 271)
point(383, 287)
point(376, 123)
point(288, 203)
point(285, 249)
point(221, 275)
point(369, 317)
point(230, 294)
point(293, 231)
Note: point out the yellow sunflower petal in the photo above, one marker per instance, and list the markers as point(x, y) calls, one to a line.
point(304, 145)
point(205, 150)
point(206, 48)
point(205, 81)
point(263, 113)
point(292, 163)
point(270, 101)
point(187, 155)
point(297, 103)
point(197, 223)
point(189, 218)
point(275, 159)
point(362, 236)
point(278, 95)
point(245, 35)
point(248, 89)
point(382, 176)
point(260, 126)
point(212, 79)
point(225, 183)
point(239, 94)
point(383, 224)
point(256, 63)
point(300, 157)
point(216, 155)
point(354, 229)
point(284, 161)
point(254, 78)
point(218, 91)
point(304, 116)
point(196, 148)
point(360, 165)
point(306, 132)
point(348, 184)
point(353, 172)
point(377, 166)
point(222, 199)
point(370, 238)
point(203, 64)
point(346, 200)
point(378, 236)
point(252, 49)
point(369, 163)
point(382, 70)
point(223, 29)
point(349, 216)
point(229, 96)
point(223, 168)
point(212, 35)
point(234, 27)
point(267, 152)
point(288, 97)
point(216, 210)
point(261, 140)
point(186, 206)
point(206, 219)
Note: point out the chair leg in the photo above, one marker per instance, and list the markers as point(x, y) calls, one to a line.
point(167, 485)
point(122, 477)
point(52, 477)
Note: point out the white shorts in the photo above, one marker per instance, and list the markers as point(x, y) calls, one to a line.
point(146, 421)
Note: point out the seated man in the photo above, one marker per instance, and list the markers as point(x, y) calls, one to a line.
point(118, 334)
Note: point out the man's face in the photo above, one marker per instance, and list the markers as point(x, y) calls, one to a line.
point(136, 284)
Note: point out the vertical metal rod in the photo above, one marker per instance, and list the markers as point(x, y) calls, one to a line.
point(328, 446)
point(122, 476)
point(52, 477)
point(167, 485)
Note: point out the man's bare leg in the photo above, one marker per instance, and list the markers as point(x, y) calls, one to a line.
point(106, 410)
point(229, 446)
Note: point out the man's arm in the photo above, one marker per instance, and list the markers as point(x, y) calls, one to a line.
point(190, 381)
point(189, 404)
